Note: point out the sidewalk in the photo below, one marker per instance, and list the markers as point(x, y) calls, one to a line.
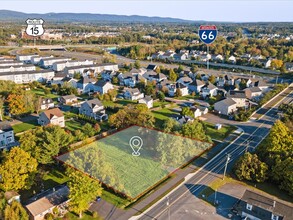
point(109, 211)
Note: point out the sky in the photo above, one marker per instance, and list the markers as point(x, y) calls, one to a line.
point(209, 10)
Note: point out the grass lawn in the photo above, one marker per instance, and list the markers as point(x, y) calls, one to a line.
point(162, 115)
point(73, 125)
point(125, 102)
point(40, 92)
point(85, 216)
point(54, 178)
point(135, 174)
point(218, 134)
point(159, 104)
point(25, 126)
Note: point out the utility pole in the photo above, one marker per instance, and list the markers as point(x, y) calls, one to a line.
point(168, 205)
point(215, 197)
point(227, 161)
point(247, 146)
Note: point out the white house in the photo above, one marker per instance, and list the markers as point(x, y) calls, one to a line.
point(26, 58)
point(133, 94)
point(253, 92)
point(28, 76)
point(147, 100)
point(11, 63)
point(6, 135)
point(20, 68)
point(153, 76)
point(225, 106)
point(232, 59)
point(46, 103)
point(94, 109)
point(196, 86)
point(237, 96)
point(102, 86)
point(173, 87)
point(209, 90)
point(181, 56)
point(199, 110)
point(52, 116)
point(68, 99)
point(60, 66)
point(86, 84)
point(48, 62)
point(94, 69)
point(36, 59)
point(218, 57)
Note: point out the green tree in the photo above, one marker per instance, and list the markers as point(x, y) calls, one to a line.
point(187, 112)
point(171, 125)
point(282, 174)
point(15, 211)
point(249, 167)
point(88, 130)
point(161, 96)
point(82, 191)
point(17, 170)
point(172, 75)
point(195, 130)
point(115, 80)
point(212, 79)
point(137, 64)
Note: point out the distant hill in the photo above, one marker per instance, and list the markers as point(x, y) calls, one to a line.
point(6, 15)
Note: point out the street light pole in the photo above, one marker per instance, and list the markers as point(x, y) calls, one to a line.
point(168, 205)
point(227, 161)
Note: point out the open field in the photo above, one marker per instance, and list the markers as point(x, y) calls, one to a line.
point(25, 126)
point(132, 175)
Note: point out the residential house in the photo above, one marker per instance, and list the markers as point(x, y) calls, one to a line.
point(153, 76)
point(11, 196)
point(17, 68)
point(107, 75)
point(168, 54)
point(94, 109)
point(181, 56)
point(131, 80)
point(151, 67)
point(289, 67)
point(60, 65)
point(198, 111)
point(133, 94)
point(209, 90)
point(48, 62)
point(232, 59)
point(185, 80)
point(11, 63)
point(184, 119)
point(157, 55)
point(36, 59)
point(28, 76)
point(86, 84)
point(103, 87)
point(52, 116)
point(46, 103)
point(238, 96)
point(40, 206)
point(196, 86)
point(26, 58)
point(185, 73)
point(147, 100)
point(218, 58)
point(226, 106)
point(141, 71)
point(68, 99)
point(6, 135)
point(172, 88)
point(261, 84)
point(256, 206)
point(69, 81)
point(86, 70)
point(267, 63)
point(253, 92)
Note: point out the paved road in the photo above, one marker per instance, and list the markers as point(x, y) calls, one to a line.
point(254, 133)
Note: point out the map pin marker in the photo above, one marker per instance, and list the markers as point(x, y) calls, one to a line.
point(135, 143)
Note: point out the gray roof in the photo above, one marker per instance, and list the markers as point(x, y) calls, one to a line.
point(101, 83)
point(5, 126)
point(25, 72)
point(269, 204)
point(68, 97)
point(185, 79)
point(240, 94)
point(94, 102)
point(85, 80)
point(197, 83)
point(16, 66)
point(227, 102)
point(253, 89)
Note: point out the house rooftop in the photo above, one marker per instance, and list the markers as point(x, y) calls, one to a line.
point(94, 102)
point(17, 66)
point(49, 201)
point(68, 97)
point(151, 67)
point(268, 203)
point(227, 102)
point(101, 83)
point(253, 89)
point(236, 94)
point(25, 72)
point(85, 80)
point(5, 126)
point(53, 112)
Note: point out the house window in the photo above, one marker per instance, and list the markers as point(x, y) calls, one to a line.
point(275, 217)
point(248, 207)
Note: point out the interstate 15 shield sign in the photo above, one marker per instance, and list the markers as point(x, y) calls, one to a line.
point(34, 27)
point(207, 33)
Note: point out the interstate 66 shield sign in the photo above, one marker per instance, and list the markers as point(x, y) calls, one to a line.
point(207, 33)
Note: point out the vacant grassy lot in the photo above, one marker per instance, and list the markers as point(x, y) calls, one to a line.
point(218, 134)
point(73, 125)
point(135, 174)
point(40, 92)
point(25, 126)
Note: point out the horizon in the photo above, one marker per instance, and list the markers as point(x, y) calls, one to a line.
point(219, 11)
